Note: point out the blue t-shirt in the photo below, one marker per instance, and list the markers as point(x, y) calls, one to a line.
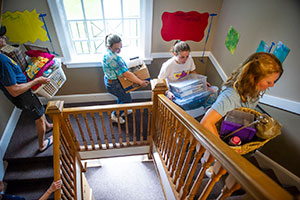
point(10, 74)
point(113, 65)
point(229, 100)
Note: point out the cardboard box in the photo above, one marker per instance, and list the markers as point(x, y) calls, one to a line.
point(141, 72)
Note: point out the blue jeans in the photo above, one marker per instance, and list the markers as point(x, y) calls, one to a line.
point(115, 88)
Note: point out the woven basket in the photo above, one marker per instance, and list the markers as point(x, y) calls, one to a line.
point(250, 146)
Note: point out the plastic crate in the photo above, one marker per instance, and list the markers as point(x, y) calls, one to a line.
point(188, 86)
point(57, 79)
point(201, 99)
point(195, 101)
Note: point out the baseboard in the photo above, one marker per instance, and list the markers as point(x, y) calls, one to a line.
point(96, 97)
point(165, 183)
point(7, 134)
point(108, 153)
point(284, 176)
point(285, 104)
point(217, 66)
point(169, 54)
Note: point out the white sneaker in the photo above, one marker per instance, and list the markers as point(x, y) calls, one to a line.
point(129, 111)
point(209, 171)
point(115, 119)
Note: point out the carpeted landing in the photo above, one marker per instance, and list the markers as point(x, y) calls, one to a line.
point(123, 178)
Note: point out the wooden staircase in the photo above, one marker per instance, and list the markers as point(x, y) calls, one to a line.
point(29, 177)
point(34, 172)
point(29, 173)
point(293, 190)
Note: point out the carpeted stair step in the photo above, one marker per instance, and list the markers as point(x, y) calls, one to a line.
point(293, 190)
point(270, 173)
point(215, 192)
point(24, 141)
point(253, 161)
point(29, 189)
point(29, 169)
point(236, 197)
point(29, 177)
point(217, 187)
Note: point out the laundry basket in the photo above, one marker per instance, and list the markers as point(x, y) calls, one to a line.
point(57, 79)
point(254, 144)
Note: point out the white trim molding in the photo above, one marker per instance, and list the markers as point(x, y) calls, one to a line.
point(284, 176)
point(96, 97)
point(169, 54)
point(217, 66)
point(285, 104)
point(165, 183)
point(114, 152)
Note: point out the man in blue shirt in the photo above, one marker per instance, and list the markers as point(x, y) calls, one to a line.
point(14, 85)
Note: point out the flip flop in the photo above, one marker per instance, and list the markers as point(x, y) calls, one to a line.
point(49, 143)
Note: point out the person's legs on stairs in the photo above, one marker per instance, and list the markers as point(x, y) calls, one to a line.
point(49, 126)
point(122, 96)
point(41, 130)
point(117, 90)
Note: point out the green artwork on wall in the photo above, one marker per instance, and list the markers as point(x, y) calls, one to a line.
point(232, 39)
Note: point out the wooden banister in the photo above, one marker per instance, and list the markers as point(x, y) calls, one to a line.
point(54, 109)
point(64, 152)
point(158, 86)
point(251, 179)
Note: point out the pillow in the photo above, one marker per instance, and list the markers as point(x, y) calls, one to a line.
point(35, 66)
point(41, 61)
point(16, 54)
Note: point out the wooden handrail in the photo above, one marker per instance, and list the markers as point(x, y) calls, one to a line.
point(86, 131)
point(252, 180)
point(106, 108)
point(64, 153)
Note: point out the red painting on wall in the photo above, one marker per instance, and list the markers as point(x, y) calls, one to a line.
point(184, 25)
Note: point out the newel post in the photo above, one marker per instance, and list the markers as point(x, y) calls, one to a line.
point(54, 109)
point(158, 86)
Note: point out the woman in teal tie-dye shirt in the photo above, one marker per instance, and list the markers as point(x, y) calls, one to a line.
point(114, 66)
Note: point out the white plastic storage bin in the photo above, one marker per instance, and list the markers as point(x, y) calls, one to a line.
point(197, 104)
point(57, 79)
point(196, 101)
point(189, 85)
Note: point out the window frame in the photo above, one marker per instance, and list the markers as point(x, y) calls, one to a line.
point(71, 60)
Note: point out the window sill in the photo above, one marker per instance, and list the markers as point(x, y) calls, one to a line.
point(88, 61)
point(83, 62)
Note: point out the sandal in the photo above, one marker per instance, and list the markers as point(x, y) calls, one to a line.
point(49, 143)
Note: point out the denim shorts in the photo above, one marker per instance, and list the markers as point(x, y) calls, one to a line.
point(30, 104)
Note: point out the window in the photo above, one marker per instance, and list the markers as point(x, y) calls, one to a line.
point(82, 25)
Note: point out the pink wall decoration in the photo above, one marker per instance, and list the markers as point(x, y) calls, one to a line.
point(184, 25)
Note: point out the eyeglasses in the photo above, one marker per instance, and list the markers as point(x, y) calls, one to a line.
point(3, 37)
